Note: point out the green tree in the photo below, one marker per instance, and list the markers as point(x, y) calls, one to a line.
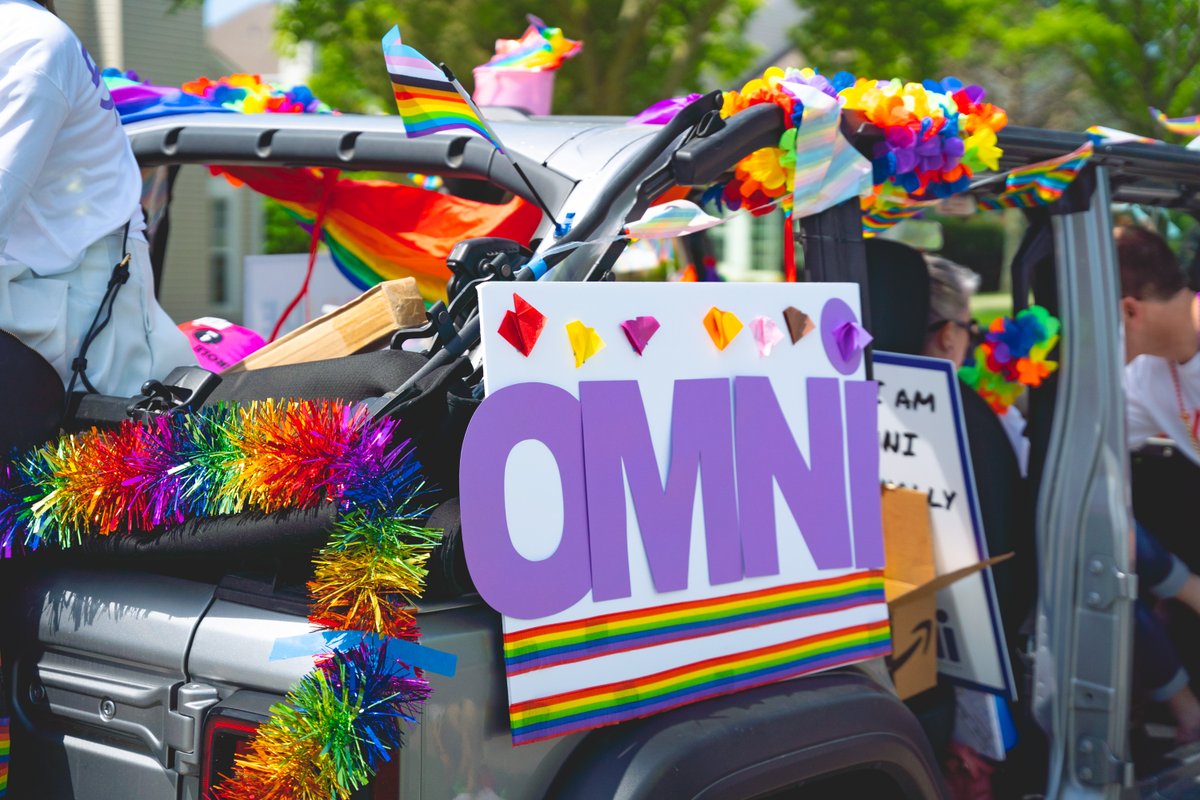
point(635, 51)
point(1064, 64)
point(1133, 55)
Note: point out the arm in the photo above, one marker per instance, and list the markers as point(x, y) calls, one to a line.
point(32, 109)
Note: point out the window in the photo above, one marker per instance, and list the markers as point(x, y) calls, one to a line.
point(219, 252)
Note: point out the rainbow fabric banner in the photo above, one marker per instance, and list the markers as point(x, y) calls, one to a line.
point(1184, 126)
point(428, 101)
point(378, 230)
point(1041, 183)
point(4, 748)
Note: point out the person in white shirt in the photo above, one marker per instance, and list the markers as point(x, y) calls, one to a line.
point(1162, 376)
point(70, 211)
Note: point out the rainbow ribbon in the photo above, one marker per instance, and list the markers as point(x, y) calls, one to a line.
point(1184, 126)
point(1041, 183)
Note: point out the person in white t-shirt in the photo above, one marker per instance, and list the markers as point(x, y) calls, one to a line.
point(1162, 375)
point(70, 211)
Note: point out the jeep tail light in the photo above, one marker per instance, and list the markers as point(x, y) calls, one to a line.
point(225, 738)
point(227, 735)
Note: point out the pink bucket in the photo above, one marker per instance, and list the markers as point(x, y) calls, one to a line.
point(526, 89)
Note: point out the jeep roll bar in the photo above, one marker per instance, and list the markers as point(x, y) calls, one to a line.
point(176, 140)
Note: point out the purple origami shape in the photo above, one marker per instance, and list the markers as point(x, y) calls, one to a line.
point(639, 330)
point(851, 338)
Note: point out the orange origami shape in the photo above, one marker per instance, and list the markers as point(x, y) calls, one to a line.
point(722, 326)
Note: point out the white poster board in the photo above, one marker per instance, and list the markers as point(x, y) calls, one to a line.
point(923, 445)
point(271, 282)
point(640, 649)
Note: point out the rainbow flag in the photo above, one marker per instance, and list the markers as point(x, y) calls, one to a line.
point(428, 100)
point(378, 230)
point(1041, 183)
point(1184, 126)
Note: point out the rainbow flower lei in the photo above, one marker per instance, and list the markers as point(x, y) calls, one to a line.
point(1013, 355)
point(936, 136)
point(340, 722)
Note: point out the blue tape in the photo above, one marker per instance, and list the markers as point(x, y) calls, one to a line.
point(410, 653)
point(538, 268)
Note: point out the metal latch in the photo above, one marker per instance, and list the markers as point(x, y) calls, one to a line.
point(1096, 765)
point(185, 725)
point(1103, 583)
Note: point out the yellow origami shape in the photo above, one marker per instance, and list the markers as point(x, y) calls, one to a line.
point(722, 326)
point(585, 343)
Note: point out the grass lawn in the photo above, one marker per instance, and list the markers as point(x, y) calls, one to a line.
point(986, 307)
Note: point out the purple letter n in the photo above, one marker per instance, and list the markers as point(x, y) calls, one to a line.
point(617, 446)
point(815, 491)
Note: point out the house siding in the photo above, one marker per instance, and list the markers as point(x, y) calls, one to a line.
point(168, 48)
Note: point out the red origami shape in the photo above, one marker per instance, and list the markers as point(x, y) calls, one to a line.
point(522, 327)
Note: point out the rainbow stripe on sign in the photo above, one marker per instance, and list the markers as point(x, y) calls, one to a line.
point(4, 745)
point(566, 642)
point(1041, 183)
point(560, 714)
point(1184, 126)
point(428, 101)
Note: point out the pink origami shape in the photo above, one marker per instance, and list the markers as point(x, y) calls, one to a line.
point(766, 334)
point(639, 330)
point(851, 338)
point(522, 327)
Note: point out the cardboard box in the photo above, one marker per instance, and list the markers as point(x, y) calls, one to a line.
point(911, 584)
point(366, 322)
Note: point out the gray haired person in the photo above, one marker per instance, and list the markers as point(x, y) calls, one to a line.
point(949, 327)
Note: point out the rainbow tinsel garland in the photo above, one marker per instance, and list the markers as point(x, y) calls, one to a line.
point(1013, 355)
point(936, 135)
point(327, 739)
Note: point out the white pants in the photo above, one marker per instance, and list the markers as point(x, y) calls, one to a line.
point(51, 314)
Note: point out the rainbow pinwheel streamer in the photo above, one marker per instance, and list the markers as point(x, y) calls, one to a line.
point(347, 716)
point(541, 49)
point(1184, 126)
point(1013, 355)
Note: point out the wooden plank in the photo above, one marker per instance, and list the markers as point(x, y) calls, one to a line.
point(365, 323)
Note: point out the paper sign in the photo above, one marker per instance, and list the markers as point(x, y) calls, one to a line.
point(662, 528)
point(924, 447)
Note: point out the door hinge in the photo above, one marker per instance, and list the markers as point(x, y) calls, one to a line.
point(1095, 764)
point(185, 725)
point(1103, 583)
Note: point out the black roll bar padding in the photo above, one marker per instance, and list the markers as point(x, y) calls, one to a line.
point(689, 116)
point(464, 156)
point(702, 161)
point(835, 251)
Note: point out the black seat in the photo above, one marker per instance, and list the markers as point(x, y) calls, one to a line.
point(31, 406)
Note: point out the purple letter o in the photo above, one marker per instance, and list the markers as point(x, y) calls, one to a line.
point(509, 582)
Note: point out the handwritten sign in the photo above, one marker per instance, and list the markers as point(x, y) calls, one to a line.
point(673, 516)
point(923, 446)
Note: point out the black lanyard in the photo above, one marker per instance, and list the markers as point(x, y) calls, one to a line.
point(120, 274)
